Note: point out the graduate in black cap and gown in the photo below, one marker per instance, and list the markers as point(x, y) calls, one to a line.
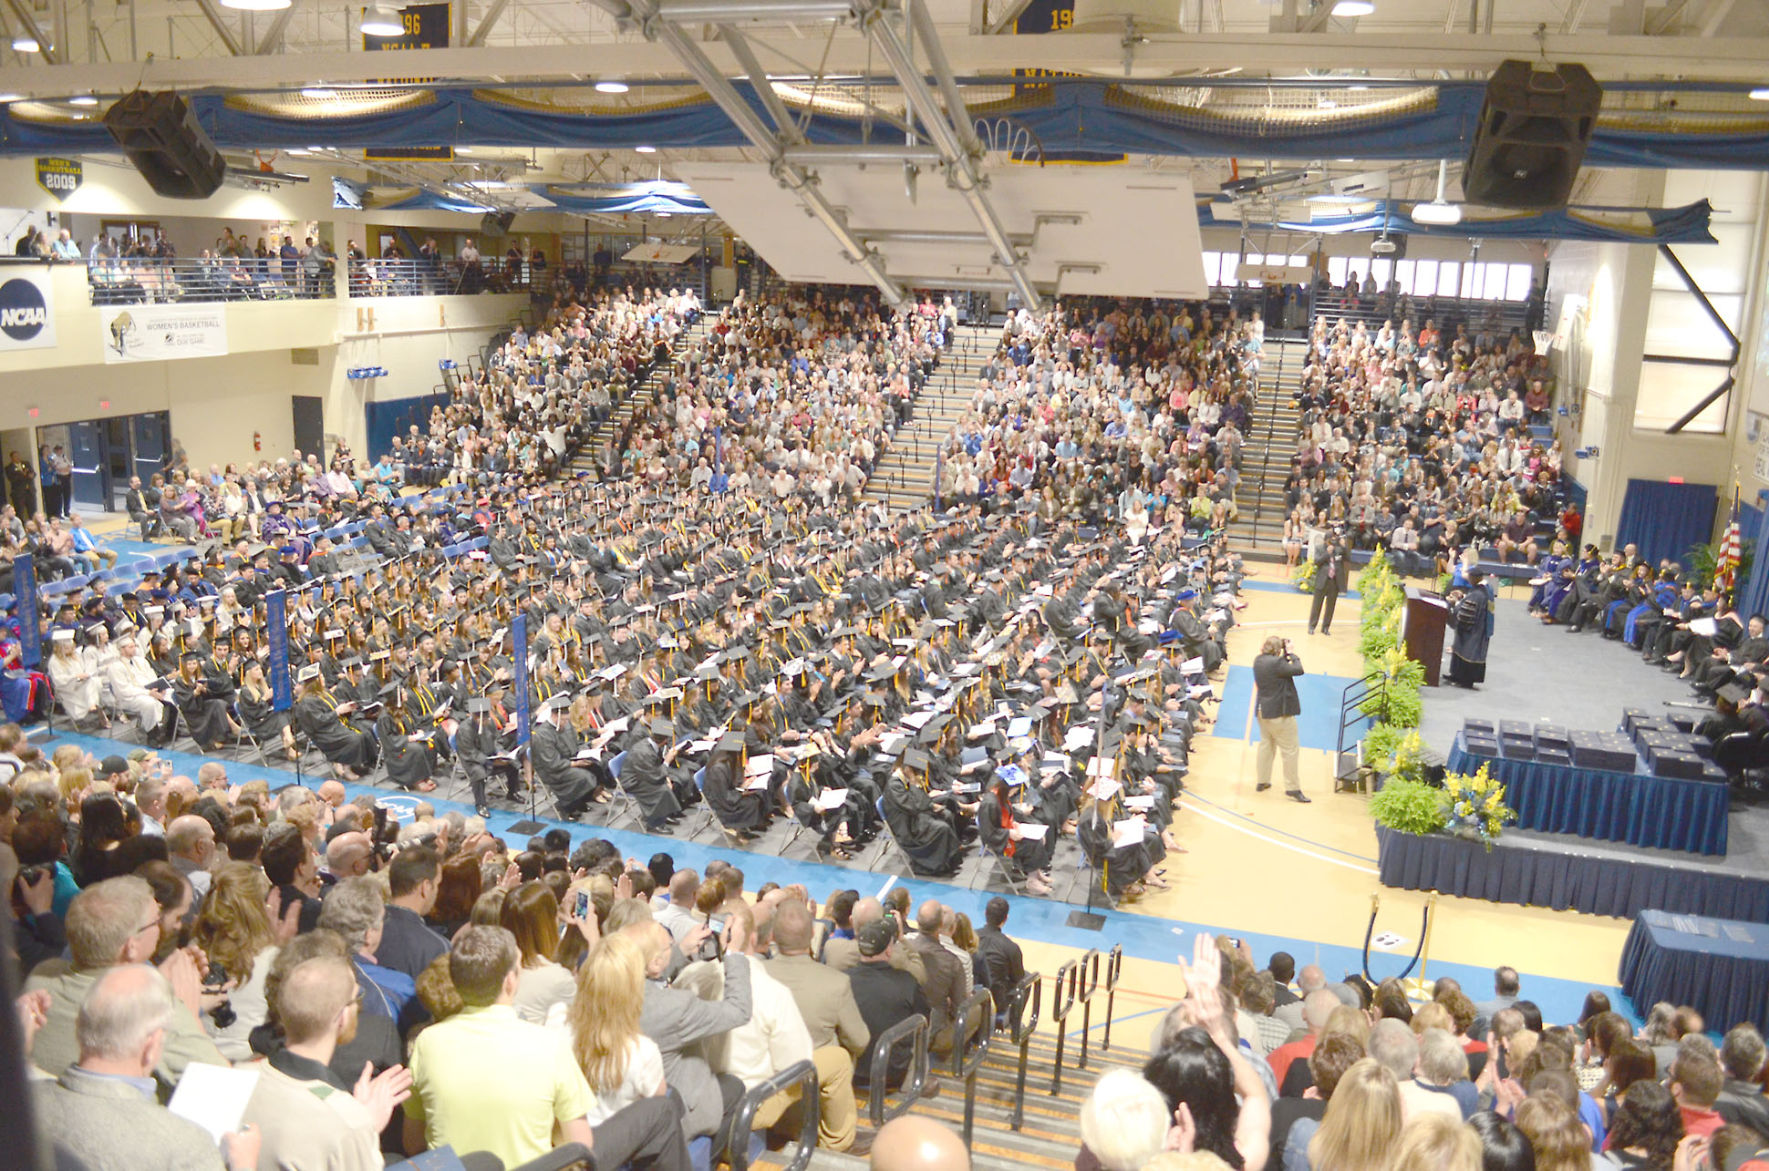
point(204, 715)
point(742, 812)
point(925, 832)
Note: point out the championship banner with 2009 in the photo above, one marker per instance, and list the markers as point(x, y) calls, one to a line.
point(154, 333)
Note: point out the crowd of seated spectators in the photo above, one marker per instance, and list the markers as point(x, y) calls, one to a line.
point(403, 987)
point(792, 396)
point(1132, 412)
point(1278, 1068)
point(1420, 441)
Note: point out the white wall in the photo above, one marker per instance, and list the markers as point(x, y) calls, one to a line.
point(217, 403)
point(1630, 302)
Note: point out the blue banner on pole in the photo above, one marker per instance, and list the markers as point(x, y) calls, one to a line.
point(939, 474)
point(276, 616)
point(24, 590)
point(519, 662)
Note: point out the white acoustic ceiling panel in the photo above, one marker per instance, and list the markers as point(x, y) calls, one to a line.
point(1084, 229)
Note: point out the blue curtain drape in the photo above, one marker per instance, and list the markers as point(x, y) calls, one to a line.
point(391, 417)
point(1754, 523)
point(1664, 520)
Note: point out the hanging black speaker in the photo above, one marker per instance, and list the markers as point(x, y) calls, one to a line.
point(161, 137)
point(1533, 130)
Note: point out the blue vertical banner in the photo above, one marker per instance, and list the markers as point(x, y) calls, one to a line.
point(939, 473)
point(519, 668)
point(24, 591)
point(276, 617)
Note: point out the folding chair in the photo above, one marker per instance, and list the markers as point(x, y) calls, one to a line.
point(1003, 864)
point(887, 840)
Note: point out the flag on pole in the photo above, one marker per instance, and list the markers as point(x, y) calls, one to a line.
point(1726, 557)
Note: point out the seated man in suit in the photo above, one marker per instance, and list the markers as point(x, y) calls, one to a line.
point(101, 1111)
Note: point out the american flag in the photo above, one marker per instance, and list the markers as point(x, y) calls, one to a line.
point(1726, 558)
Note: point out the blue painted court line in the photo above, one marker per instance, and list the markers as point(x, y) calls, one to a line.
point(1284, 587)
point(1317, 727)
point(1142, 936)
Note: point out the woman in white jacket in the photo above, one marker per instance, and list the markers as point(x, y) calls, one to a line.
point(76, 686)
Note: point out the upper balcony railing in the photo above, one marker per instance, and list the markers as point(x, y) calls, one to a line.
point(139, 280)
point(435, 277)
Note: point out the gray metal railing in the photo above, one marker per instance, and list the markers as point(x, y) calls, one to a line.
point(1028, 992)
point(972, 1029)
point(432, 277)
point(141, 280)
point(801, 1074)
point(914, 1031)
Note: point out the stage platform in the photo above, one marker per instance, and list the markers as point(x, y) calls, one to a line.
point(1542, 674)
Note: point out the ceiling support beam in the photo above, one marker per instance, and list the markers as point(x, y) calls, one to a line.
point(1734, 59)
point(1010, 12)
point(486, 22)
point(800, 181)
point(273, 36)
point(52, 54)
point(1667, 19)
point(1715, 16)
point(879, 153)
point(949, 128)
point(219, 24)
point(1575, 16)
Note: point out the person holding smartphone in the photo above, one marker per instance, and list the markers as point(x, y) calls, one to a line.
point(1274, 681)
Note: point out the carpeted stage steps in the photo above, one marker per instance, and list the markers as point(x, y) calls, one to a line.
point(592, 456)
point(904, 476)
point(1258, 532)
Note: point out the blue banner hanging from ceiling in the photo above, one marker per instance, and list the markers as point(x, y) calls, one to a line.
point(276, 621)
point(24, 592)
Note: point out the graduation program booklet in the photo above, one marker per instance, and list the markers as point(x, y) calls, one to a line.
point(214, 1097)
point(1128, 832)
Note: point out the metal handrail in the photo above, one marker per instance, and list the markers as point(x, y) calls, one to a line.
point(1020, 1030)
point(801, 1074)
point(422, 277)
point(1114, 969)
point(972, 1028)
point(1087, 977)
point(143, 280)
point(913, 1029)
point(1062, 999)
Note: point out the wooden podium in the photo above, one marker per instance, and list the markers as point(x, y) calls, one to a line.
point(1421, 630)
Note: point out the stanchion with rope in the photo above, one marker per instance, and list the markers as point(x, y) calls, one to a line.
point(1418, 988)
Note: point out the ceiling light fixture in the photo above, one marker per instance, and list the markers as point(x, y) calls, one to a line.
point(646, 150)
point(611, 85)
point(11, 97)
point(1354, 7)
point(25, 43)
point(1760, 94)
point(1438, 213)
point(318, 91)
point(378, 20)
point(256, 5)
point(82, 100)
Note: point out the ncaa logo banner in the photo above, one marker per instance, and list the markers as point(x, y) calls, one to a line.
point(27, 312)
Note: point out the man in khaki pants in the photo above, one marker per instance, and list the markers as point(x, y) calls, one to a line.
point(1277, 705)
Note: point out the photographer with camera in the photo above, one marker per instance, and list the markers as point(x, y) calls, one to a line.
point(676, 1018)
point(1274, 681)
